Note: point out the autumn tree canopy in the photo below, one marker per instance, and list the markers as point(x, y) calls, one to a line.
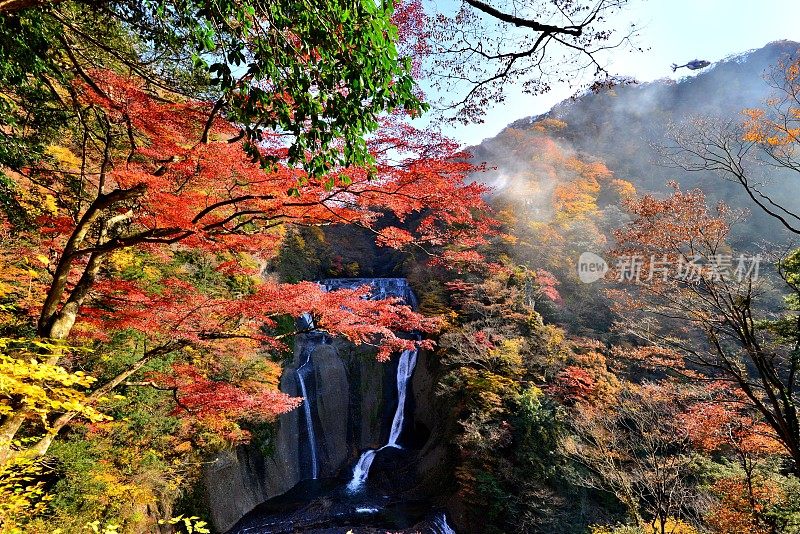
point(484, 48)
point(321, 77)
point(713, 307)
point(741, 151)
point(146, 176)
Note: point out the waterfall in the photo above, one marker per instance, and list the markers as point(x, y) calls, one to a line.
point(380, 288)
point(405, 368)
point(441, 526)
point(312, 439)
point(361, 470)
point(334, 503)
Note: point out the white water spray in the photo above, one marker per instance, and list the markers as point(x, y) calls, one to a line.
point(408, 359)
point(361, 470)
point(312, 439)
point(405, 368)
point(441, 525)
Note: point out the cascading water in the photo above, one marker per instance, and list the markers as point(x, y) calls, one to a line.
point(326, 503)
point(381, 288)
point(361, 470)
point(405, 368)
point(440, 525)
point(312, 439)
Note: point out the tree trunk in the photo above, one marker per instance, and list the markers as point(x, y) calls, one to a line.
point(8, 430)
point(55, 323)
point(41, 447)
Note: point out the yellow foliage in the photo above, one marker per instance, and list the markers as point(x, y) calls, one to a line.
point(507, 216)
point(546, 125)
point(552, 338)
point(124, 259)
point(36, 200)
point(39, 387)
point(64, 157)
point(151, 273)
point(509, 239)
point(192, 525)
point(49, 204)
point(624, 188)
point(116, 488)
point(497, 380)
point(674, 526)
point(576, 199)
point(100, 528)
point(508, 354)
point(22, 493)
point(5, 289)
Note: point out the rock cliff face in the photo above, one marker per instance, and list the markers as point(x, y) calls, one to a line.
point(353, 398)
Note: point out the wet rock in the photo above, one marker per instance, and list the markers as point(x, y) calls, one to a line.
point(353, 402)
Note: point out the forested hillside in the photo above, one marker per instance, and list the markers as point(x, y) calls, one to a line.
point(240, 292)
point(645, 391)
point(629, 126)
point(562, 178)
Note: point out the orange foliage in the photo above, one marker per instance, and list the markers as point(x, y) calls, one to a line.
point(721, 423)
point(586, 377)
point(778, 128)
point(549, 125)
point(159, 188)
point(739, 508)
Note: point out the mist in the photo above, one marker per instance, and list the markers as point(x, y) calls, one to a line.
point(626, 128)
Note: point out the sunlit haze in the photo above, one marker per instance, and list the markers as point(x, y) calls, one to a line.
point(669, 31)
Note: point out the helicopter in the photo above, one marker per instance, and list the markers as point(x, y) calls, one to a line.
point(694, 64)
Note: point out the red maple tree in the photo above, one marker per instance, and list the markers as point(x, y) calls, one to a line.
point(161, 179)
point(685, 290)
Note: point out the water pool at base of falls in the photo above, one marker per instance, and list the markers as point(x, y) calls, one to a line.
point(324, 506)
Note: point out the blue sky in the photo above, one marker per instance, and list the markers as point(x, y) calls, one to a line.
point(671, 31)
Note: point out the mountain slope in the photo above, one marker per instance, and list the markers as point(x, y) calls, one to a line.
point(625, 126)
